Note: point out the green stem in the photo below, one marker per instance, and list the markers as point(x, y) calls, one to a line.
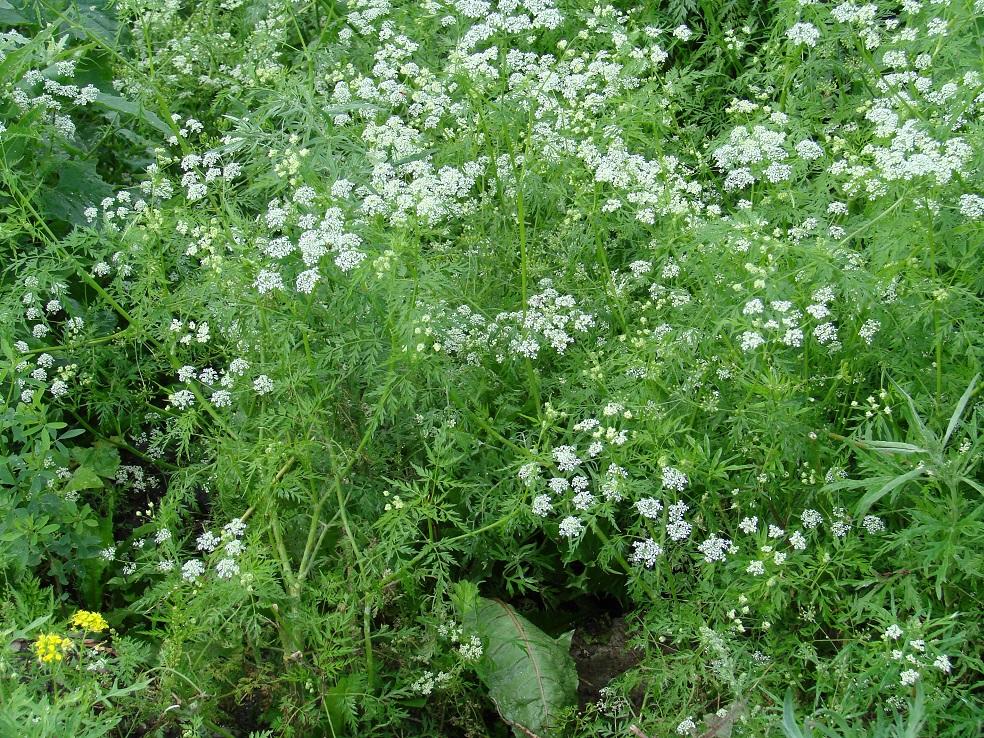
point(446, 542)
point(122, 444)
point(622, 562)
point(884, 214)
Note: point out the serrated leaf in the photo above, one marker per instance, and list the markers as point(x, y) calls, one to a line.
point(530, 676)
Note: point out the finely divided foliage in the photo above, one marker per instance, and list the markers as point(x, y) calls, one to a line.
point(317, 315)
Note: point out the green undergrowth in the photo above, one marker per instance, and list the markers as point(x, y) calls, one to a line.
point(355, 354)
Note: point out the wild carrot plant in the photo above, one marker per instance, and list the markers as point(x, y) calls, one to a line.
point(353, 353)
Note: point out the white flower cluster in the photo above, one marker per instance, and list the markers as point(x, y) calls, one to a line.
point(317, 239)
point(784, 324)
point(613, 478)
point(566, 458)
point(752, 154)
point(551, 319)
point(541, 505)
point(972, 206)
point(656, 188)
point(208, 542)
point(715, 549)
point(202, 171)
point(803, 33)
point(649, 507)
point(646, 553)
point(674, 478)
point(529, 473)
point(196, 332)
point(571, 527)
point(430, 681)
point(677, 528)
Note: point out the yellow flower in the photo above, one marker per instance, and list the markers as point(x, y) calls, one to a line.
point(90, 621)
point(51, 647)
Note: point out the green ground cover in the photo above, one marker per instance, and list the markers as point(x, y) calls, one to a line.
point(467, 368)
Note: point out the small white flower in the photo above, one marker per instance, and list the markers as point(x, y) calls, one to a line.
point(583, 500)
point(471, 651)
point(873, 524)
point(683, 33)
point(674, 478)
point(972, 206)
point(811, 519)
point(192, 569)
point(908, 677)
point(571, 527)
point(803, 33)
point(649, 507)
point(221, 398)
point(182, 399)
point(686, 726)
point(263, 384)
point(715, 549)
point(207, 541)
point(566, 458)
point(226, 569)
point(267, 281)
point(809, 150)
point(646, 553)
point(235, 528)
point(679, 530)
point(541, 505)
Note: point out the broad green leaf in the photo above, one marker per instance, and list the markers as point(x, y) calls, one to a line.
point(79, 186)
point(83, 478)
point(959, 409)
point(530, 676)
point(9, 15)
point(790, 728)
point(876, 494)
point(894, 447)
point(340, 704)
point(91, 21)
point(121, 105)
point(102, 458)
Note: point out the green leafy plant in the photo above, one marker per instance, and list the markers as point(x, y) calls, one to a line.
point(530, 676)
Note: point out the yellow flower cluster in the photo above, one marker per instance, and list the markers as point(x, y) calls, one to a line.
point(51, 647)
point(90, 621)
